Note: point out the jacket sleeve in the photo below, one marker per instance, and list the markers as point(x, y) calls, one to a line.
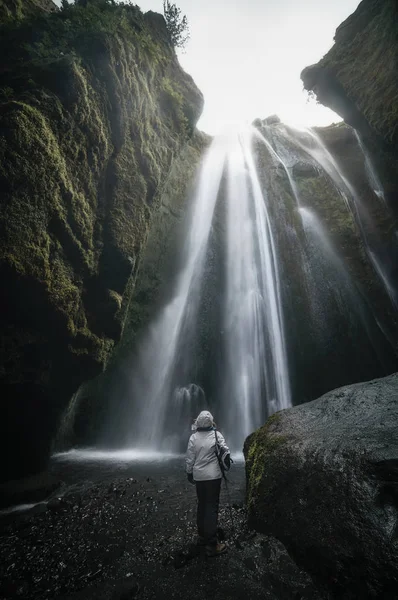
point(221, 440)
point(190, 455)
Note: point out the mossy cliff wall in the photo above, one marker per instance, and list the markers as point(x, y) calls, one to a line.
point(89, 415)
point(94, 108)
point(357, 79)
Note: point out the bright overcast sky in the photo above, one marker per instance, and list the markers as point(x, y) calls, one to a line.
point(246, 56)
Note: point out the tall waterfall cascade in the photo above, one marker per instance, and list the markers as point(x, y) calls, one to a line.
point(266, 308)
point(255, 380)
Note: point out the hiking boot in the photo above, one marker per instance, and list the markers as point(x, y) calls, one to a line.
point(216, 550)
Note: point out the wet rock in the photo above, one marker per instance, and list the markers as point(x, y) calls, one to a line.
point(272, 120)
point(94, 574)
point(37, 509)
point(180, 560)
point(302, 169)
point(167, 560)
point(14, 589)
point(57, 505)
point(126, 590)
point(250, 563)
point(75, 500)
point(323, 478)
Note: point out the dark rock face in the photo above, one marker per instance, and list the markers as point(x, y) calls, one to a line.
point(357, 79)
point(323, 479)
point(89, 125)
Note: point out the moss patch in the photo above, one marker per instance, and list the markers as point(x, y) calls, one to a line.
point(258, 449)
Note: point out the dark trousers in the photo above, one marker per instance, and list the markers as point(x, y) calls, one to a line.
point(208, 493)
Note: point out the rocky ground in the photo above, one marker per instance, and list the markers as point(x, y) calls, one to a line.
point(128, 532)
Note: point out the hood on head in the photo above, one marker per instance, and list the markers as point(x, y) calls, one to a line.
point(204, 419)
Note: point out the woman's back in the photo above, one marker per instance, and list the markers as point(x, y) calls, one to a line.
point(202, 449)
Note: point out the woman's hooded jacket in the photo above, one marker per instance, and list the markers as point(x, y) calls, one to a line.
point(201, 459)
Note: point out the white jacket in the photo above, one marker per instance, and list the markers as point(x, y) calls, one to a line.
point(201, 459)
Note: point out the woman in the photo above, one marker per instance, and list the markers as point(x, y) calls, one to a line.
point(204, 470)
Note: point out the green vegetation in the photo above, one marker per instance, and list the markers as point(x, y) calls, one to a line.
point(177, 25)
point(73, 30)
point(258, 448)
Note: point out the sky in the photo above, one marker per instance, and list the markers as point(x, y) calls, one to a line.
point(246, 56)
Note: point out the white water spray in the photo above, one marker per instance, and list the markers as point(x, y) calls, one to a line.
point(254, 332)
point(158, 357)
point(374, 181)
point(255, 381)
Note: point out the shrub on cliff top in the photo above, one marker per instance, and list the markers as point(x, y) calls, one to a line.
point(177, 26)
point(43, 38)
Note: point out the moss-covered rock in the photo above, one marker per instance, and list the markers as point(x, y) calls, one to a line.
point(322, 478)
point(93, 110)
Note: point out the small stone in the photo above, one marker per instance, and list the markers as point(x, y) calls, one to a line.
point(94, 574)
point(56, 505)
point(126, 590)
point(180, 560)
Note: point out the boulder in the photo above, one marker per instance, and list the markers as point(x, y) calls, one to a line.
point(323, 478)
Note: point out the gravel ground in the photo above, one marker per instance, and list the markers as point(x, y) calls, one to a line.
point(117, 530)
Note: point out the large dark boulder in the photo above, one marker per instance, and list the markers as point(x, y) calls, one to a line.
point(323, 479)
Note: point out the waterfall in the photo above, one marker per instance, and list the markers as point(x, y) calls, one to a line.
point(290, 320)
point(254, 330)
point(330, 280)
point(152, 413)
point(253, 381)
point(370, 171)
